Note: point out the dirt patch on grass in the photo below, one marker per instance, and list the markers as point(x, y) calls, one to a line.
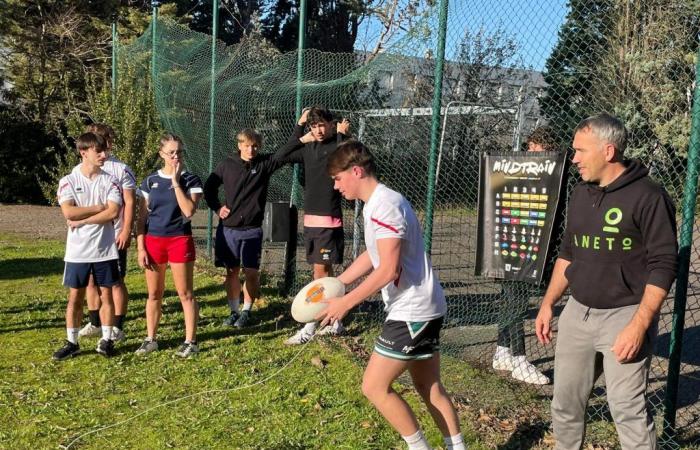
point(44, 222)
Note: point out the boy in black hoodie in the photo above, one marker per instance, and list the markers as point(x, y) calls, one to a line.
point(323, 218)
point(618, 258)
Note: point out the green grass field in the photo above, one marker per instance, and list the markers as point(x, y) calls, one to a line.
point(244, 390)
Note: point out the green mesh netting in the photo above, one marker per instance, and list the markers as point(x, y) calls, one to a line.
point(509, 69)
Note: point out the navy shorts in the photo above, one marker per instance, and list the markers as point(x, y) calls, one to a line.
point(324, 245)
point(237, 248)
point(409, 340)
point(105, 273)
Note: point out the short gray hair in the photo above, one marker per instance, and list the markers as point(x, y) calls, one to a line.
point(608, 128)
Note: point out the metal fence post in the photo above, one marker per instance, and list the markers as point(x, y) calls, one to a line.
point(154, 21)
point(684, 249)
point(114, 59)
point(212, 99)
point(290, 252)
point(435, 127)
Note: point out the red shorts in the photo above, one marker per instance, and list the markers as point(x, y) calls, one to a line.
point(174, 249)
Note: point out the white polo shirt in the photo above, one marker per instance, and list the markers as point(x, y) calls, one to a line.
point(416, 295)
point(90, 243)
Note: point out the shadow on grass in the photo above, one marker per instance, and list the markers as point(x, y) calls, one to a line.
point(527, 435)
point(19, 268)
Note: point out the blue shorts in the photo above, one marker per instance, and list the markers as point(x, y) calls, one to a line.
point(237, 248)
point(105, 273)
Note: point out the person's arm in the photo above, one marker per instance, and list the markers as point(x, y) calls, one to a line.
point(72, 212)
point(358, 268)
point(211, 192)
point(124, 239)
point(107, 215)
point(389, 269)
point(141, 216)
point(657, 223)
point(187, 203)
point(557, 286)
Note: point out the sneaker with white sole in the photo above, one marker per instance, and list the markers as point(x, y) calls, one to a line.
point(300, 337)
point(90, 330)
point(147, 346)
point(337, 329)
point(526, 372)
point(105, 347)
point(68, 350)
point(187, 349)
point(503, 359)
point(117, 334)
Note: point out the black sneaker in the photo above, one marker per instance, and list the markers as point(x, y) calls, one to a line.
point(106, 347)
point(231, 320)
point(243, 320)
point(68, 350)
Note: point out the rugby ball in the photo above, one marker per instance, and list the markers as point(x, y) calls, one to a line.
point(309, 301)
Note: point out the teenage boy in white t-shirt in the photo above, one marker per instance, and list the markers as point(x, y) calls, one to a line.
point(90, 200)
point(415, 304)
point(123, 226)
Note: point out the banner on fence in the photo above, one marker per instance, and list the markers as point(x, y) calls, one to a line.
point(518, 197)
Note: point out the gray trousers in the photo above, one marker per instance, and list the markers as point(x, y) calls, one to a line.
point(583, 334)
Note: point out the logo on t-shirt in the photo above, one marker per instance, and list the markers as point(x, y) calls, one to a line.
point(79, 189)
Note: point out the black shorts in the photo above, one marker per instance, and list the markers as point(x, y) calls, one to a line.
point(324, 245)
point(409, 340)
point(122, 263)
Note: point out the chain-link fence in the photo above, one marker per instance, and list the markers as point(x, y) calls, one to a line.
point(509, 68)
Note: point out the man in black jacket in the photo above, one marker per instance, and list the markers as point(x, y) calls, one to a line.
point(618, 258)
point(246, 177)
point(323, 218)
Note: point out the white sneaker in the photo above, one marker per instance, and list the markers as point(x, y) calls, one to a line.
point(90, 330)
point(503, 359)
point(525, 371)
point(117, 334)
point(337, 329)
point(301, 337)
point(148, 346)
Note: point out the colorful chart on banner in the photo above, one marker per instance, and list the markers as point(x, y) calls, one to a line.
point(518, 195)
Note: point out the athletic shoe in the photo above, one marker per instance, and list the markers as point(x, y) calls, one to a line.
point(503, 359)
point(525, 371)
point(68, 350)
point(187, 349)
point(243, 320)
point(117, 334)
point(147, 346)
point(90, 330)
point(337, 329)
point(301, 337)
point(106, 348)
point(230, 321)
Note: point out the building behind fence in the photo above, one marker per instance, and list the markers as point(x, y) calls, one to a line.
point(506, 70)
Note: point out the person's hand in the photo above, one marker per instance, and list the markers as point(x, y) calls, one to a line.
point(123, 240)
point(73, 224)
point(144, 261)
point(336, 310)
point(307, 138)
point(543, 324)
point(304, 117)
point(343, 127)
point(628, 342)
point(223, 212)
point(178, 171)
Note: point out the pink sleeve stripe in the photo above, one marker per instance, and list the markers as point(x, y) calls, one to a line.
point(387, 226)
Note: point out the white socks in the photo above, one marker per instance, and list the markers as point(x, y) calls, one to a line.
point(106, 332)
point(417, 441)
point(72, 334)
point(234, 304)
point(502, 352)
point(247, 306)
point(455, 442)
point(310, 328)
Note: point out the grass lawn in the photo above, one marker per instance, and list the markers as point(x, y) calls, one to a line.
point(244, 390)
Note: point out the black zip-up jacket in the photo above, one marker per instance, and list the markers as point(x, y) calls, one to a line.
point(320, 198)
point(619, 238)
point(245, 188)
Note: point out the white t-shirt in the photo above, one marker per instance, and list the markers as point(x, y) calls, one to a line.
point(416, 295)
point(126, 180)
point(90, 243)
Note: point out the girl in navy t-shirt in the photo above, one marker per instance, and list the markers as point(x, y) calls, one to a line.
point(168, 200)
